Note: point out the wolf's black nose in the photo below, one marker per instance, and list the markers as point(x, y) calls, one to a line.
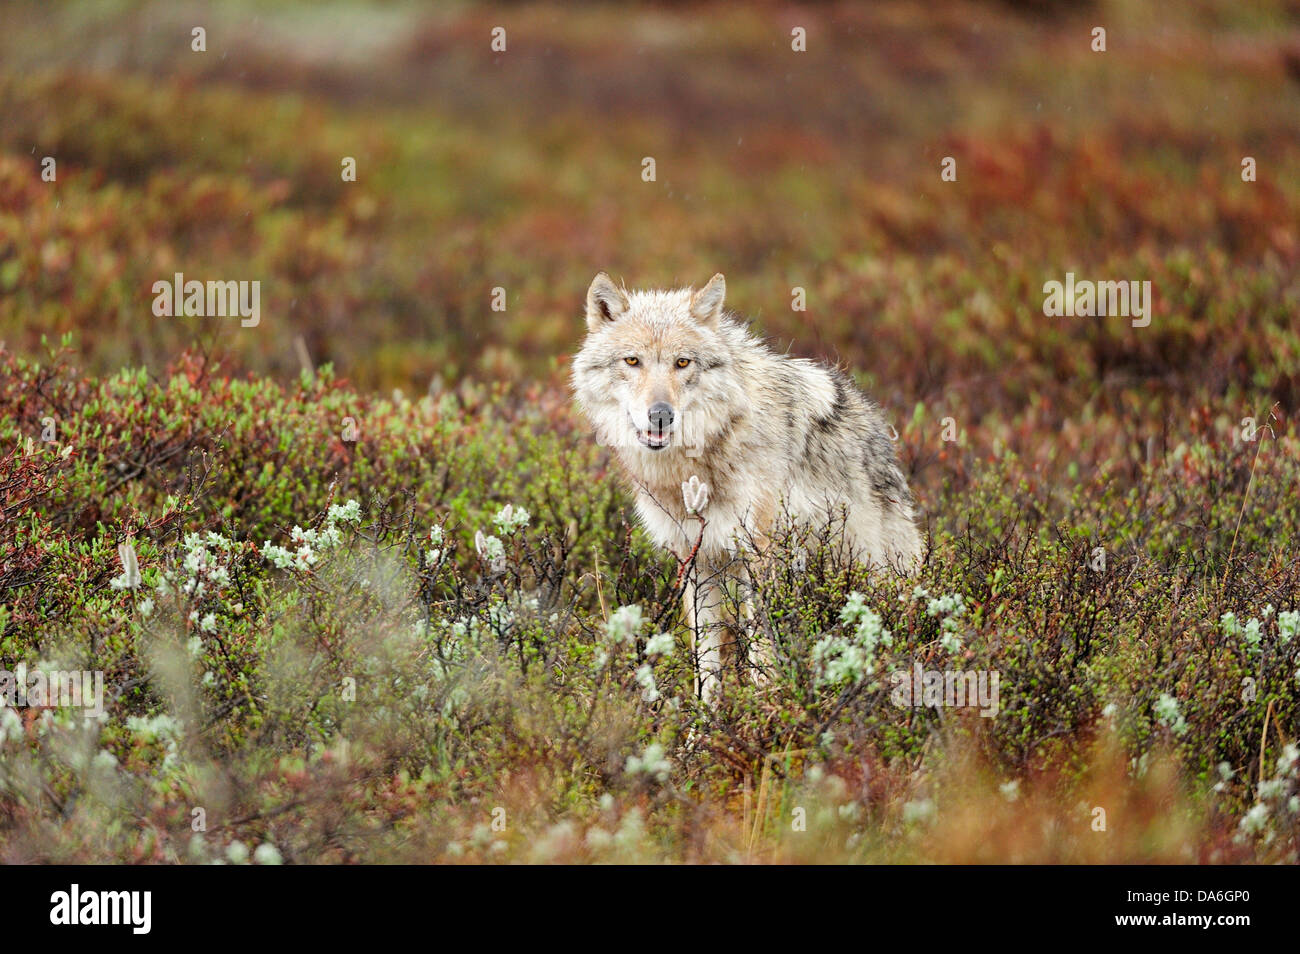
point(661, 416)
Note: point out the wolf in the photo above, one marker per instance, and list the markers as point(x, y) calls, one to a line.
point(720, 436)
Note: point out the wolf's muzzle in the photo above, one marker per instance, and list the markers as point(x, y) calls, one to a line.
point(661, 423)
point(661, 416)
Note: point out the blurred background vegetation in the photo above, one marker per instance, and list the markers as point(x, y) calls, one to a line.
point(522, 170)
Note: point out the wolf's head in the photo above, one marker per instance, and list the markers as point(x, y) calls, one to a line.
point(655, 370)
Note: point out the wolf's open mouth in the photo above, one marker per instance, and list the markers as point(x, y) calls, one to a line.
point(654, 441)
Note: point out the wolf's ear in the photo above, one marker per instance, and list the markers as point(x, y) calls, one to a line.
point(605, 302)
point(706, 304)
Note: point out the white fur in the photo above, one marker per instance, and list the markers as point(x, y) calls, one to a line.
point(769, 434)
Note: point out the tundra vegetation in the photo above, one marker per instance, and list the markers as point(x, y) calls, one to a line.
point(362, 588)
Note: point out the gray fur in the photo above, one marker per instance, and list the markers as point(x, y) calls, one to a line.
point(769, 434)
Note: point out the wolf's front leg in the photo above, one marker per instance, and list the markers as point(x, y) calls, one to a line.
point(757, 656)
point(711, 637)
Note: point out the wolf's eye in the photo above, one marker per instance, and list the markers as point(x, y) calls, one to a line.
point(683, 362)
point(632, 362)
